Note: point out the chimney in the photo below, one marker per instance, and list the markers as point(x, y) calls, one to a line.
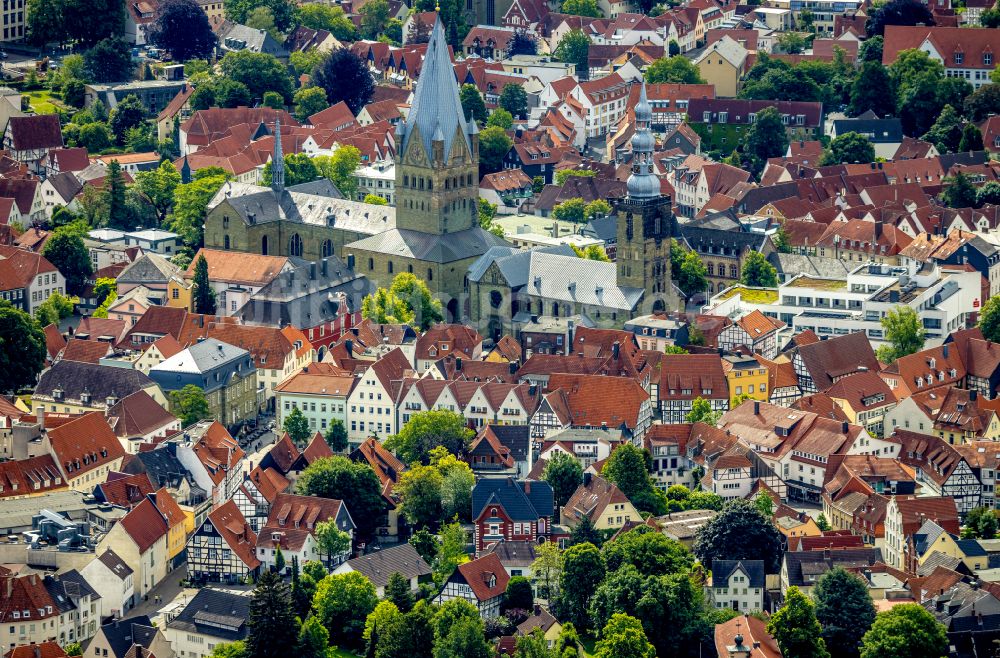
point(538, 609)
point(513, 366)
point(616, 349)
point(944, 351)
point(756, 407)
point(41, 418)
point(586, 479)
point(845, 427)
point(458, 364)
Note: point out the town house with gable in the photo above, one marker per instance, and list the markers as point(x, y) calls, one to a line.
point(505, 510)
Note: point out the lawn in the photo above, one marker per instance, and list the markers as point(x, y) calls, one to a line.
point(752, 295)
point(336, 652)
point(42, 102)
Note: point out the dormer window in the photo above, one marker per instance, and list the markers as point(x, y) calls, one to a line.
point(57, 394)
point(959, 58)
point(85, 397)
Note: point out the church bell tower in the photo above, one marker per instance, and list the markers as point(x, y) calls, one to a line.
point(645, 222)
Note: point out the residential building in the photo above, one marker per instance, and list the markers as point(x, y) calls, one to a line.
point(686, 377)
point(738, 584)
point(85, 449)
point(482, 582)
point(594, 401)
point(225, 373)
point(212, 617)
point(125, 638)
point(748, 378)
point(501, 450)
point(29, 138)
point(140, 539)
point(965, 53)
point(222, 548)
point(605, 504)
point(112, 578)
point(667, 445)
point(372, 399)
point(904, 517)
point(722, 65)
point(380, 565)
point(291, 528)
point(28, 279)
point(505, 509)
point(755, 331)
point(321, 397)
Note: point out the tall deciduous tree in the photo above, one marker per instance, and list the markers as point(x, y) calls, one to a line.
point(181, 27)
point(758, 272)
point(844, 609)
point(340, 168)
point(283, 11)
point(514, 99)
point(676, 69)
point(849, 148)
point(583, 570)
point(260, 72)
point(651, 553)
point(627, 467)
point(898, 12)
point(494, 144)
point(419, 489)
point(158, 186)
point(342, 604)
point(65, 250)
point(765, 139)
point(872, 90)
point(345, 77)
point(354, 483)
point(574, 48)
point(796, 629)
point(624, 637)
point(109, 60)
point(272, 625)
point(547, 569)
point(204, 295)
point(427, 430)
point(22, 348)
point(905, 630)
point(904, 333)
point(960, 192)
point(336, 435)
point(739, 532)
point(189, 404)
point(564, 474)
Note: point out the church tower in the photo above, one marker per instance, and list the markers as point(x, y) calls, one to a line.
point(437, 164)
point(645, 222)
point(277, 161)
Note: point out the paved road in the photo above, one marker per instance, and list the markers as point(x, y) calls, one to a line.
point(163, 595)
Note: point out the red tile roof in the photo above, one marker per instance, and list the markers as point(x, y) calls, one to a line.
point(39, 650)
point(125, 490)
point(29, 476)
point(145, 525)
point(236, 532)
point(84, 444)
point(38, 132)
point(479, 574)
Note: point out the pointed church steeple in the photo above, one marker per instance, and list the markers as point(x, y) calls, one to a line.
point(277, 161)
point(643, 183)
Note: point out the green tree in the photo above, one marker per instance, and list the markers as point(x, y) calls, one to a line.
point(383, 307)
point(514, 99)
point(537, 184)
point(960, 192)
point(190, 205)
point(44, 22)
point(591, 252)
point(849, 148)
point(676, 69)
point(414, 295)
point(374, 15)
point(66, 251)
point(980, 523)
point(95, 137)
point(129, 113)
point(796, 629)
point(110, 60)
point(299, 168)
point(451, 552)
point(972, 139)
point(204, 295)
point(983, 102)
point(272, 626)
point(687, 270)
point(279, 561)
point(342, 604)
point(189, 404)
point(565, 174)
point(584, 532)
point(115, 184)
point(376, 200)
point(237, 649)
point(332, 540)
point(494, 144)
point(466, 639)
point(904, 333)
point(518, 595)
point(354, 483)
point(501, 118)
point(324, 17)
point(897, 12)
point(104, 287)
point(597, 208)
point(457, 482)
point(397, 591)
point(384, 614)
point(314, 640)
point(650, 552)
point(792, 43)
point(309, 101)
point(627, 467)
point(581, 8)
point(336, 435)
point(57, 307)
point(564, 474)
point(158, 187)
point(781, 240)
point(22, 348)
point(534, 645)
point(844, 609)
point(946, 133)
point(419, 489)
point(450, 613)
point(182, 28)
point(296, 424)
point(758, 272)
point(345, 77)
point(340, 168)
point(739, 532)
point(260, 72)
point(411, 634)
point(273, 100)
point(764, 504)
point(765, 139)
point(624, 637)
point(574, 48)
point(428, 429)
point(547, 569)
point(102, 310)
point(989, 319)
point(871, 49)
point(73, 649)
point(583, 570)
point(905, 630)
point(473, 105)
point(570, 210)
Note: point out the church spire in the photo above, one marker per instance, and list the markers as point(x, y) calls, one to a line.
point(643, 183)
point(277, 161)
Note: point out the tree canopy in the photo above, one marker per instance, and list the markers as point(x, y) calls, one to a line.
point(739, 532)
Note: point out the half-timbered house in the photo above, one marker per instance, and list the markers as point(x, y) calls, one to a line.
point(482, 582)
point(222, 548)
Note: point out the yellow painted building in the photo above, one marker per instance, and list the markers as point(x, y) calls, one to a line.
point(179, 293)
point(747, 378)
point(722, 64)
point(791, 526)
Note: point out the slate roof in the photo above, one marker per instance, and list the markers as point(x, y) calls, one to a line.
point(378, 566)
point(521, 500)
point(436, 108)
point(445, 248)
point(115, 564)
point(162, 467)
point(723, 569)
point(75, 378)
point(805, 567)
point(217, 613)
point(122, 634)
point(148, 268)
